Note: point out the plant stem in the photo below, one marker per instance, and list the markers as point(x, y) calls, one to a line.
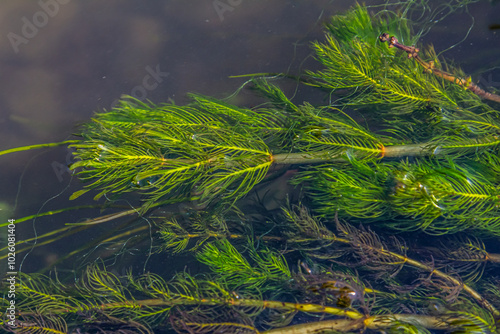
point(32, 147)
point(429, 67)
point(373, 322)
point(168, 303)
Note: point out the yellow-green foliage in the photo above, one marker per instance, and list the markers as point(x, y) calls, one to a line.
point(394, 145)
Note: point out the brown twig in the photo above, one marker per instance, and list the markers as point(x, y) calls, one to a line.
point(429, 67)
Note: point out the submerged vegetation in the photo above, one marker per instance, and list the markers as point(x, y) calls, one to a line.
point(394, 231)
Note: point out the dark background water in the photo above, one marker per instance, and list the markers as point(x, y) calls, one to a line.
point(60, 64)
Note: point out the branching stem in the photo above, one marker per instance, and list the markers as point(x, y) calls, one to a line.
point(393, 151)
point(373, 322)
point(429, 67)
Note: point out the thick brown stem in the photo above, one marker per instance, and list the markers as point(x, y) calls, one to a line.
point(429, 67)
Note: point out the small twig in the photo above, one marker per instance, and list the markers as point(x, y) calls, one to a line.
point(429, 67)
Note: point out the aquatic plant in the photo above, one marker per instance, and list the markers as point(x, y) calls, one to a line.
point(429, 166)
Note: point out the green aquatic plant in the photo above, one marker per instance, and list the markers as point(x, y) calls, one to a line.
point(214, 152)
point(404, 144)
point(435, 196)
point(169, 151)
point(252, 286)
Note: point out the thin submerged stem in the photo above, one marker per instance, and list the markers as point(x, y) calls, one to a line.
point(394, 151)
